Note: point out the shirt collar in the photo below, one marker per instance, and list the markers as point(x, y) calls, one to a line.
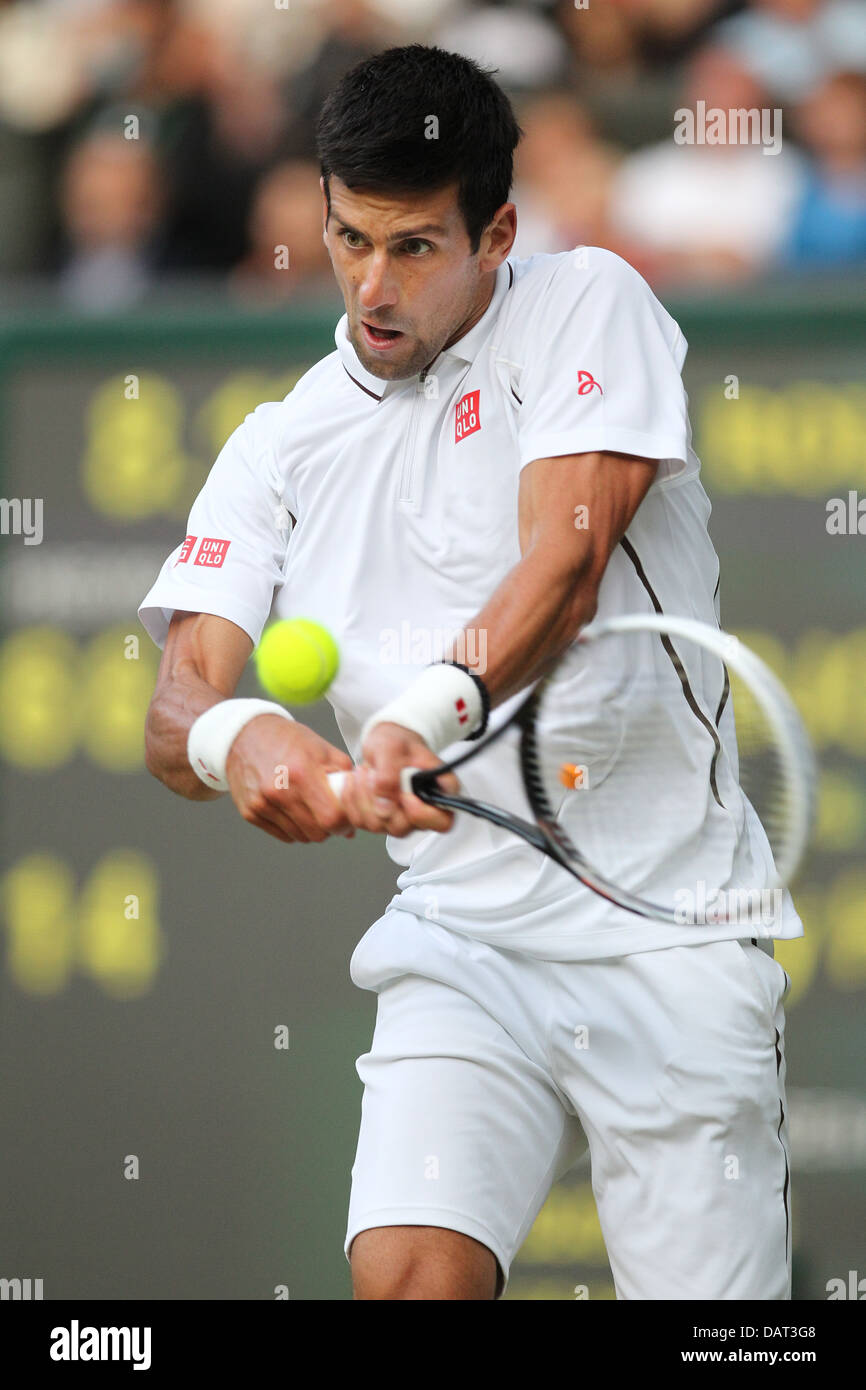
point(373, 385)
point(465, 349)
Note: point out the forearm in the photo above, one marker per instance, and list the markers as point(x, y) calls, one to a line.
point(173, 710)
point(536, 611)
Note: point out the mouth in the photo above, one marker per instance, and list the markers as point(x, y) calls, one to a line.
point(380, 338)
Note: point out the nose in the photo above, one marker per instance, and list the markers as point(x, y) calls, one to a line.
point(378, 289)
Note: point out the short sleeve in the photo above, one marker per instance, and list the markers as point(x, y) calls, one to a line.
point(233, 557)
point(603, 372)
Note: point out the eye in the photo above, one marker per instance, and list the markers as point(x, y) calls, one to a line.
point(353, 245)
point(416, 246)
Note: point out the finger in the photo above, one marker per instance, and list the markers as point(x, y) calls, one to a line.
point(303, 817)
point(256, 806)
point(448, 782)
point(353, 803)
point(386, 786)
point(272, 830)
point(284, 830)
point(310, 803)
point(324, 804)
point(390, 810)
point(286, 809)
point(425, 817)
point(367, 812)
point(417, 812)
point(362, 805)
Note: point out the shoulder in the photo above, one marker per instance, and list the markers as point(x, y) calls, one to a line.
point(567, 277)
point(266, 430)
point(317, 383)
point(585, 287)
point(536, 273)
point(310, 391)
point(318, 380)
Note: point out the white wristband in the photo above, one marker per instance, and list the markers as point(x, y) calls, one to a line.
point(442, 706)
point(213, 733)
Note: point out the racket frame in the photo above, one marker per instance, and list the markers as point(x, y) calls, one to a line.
point(793, 745)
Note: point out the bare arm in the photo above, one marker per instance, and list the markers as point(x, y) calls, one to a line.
point(202, 662)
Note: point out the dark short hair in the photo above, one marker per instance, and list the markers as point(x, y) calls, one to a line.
point(374, 130)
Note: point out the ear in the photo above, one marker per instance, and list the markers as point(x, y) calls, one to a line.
point(498, 237)
point(325, 211)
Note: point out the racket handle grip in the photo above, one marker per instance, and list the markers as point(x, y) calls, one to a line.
point(337, 780)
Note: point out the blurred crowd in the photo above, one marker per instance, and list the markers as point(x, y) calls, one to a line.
point(155, 142)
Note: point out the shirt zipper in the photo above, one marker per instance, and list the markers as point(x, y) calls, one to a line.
point(407, 472)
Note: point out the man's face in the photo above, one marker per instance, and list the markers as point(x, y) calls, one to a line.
point(404, 263)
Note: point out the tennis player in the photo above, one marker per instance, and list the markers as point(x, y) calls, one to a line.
point(497, 450)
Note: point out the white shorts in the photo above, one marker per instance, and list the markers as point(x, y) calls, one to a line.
point(489, 1072)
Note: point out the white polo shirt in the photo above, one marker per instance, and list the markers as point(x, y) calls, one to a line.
point(387, 510)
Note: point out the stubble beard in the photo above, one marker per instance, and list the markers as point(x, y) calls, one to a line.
point(422, 356)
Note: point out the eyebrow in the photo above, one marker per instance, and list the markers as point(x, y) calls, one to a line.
point(428, 229)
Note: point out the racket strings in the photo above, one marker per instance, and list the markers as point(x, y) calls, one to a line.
point(657, 793)
point(761, 768)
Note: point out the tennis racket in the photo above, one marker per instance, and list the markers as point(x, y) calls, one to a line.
point(666, 768)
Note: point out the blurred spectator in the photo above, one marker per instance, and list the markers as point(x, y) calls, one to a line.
point(111, 198)
point(791, 45)
point(624, 35)
point(43, 69)
point(523, 47)
point(602, 37)
point(564, 176)
point(417, 17)
point(627, 55)
point(217, 142)
point(830, 222)
point(229, 91)
point(285, 226)
point(711, 213)
point(669, 30)
point(354, 32)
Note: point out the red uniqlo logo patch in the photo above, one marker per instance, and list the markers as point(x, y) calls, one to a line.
point(211, 552)
point(467, 417)
point(186, 550)
point(460, 705)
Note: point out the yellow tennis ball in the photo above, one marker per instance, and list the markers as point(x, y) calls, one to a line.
point(296, 660)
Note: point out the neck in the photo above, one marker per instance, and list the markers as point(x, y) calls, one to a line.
point(482, 304)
